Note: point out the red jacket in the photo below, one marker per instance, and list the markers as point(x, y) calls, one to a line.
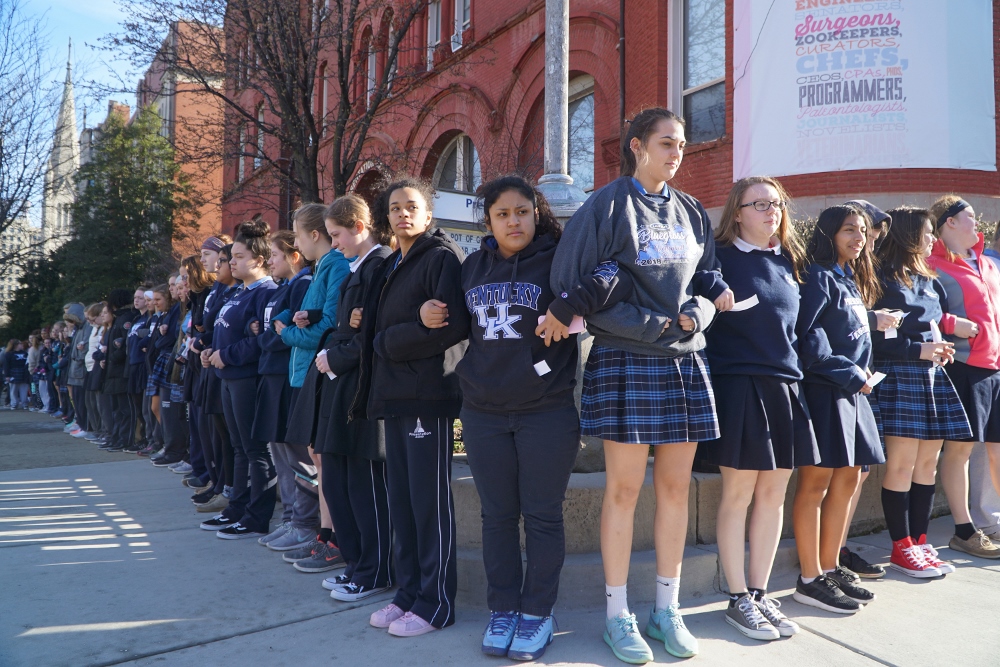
point(974, 296)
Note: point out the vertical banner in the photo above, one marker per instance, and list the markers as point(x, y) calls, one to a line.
point(834, 85)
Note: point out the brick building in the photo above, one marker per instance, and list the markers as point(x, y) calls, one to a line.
point(478, 111)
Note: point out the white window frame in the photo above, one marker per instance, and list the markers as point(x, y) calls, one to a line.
point(324, 105)
point(258, 158)
point(372, 83)
point(241, 170)
point(676, 92)
point(433, 30)
point(463, 21)
point(465, 149)
point(580, 87)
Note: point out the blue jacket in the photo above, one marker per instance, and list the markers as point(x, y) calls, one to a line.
point(237, 346)
point(323, 294)
point(274, 354)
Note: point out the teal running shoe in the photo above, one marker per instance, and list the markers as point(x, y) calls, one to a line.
point(622, 634)
point(667, 626)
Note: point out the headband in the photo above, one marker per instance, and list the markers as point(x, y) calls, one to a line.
point(213, 243)
point(148, 294)
point(953, 210)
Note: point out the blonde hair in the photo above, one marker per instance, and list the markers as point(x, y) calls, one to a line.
point(729, 229)
point(350, 209)
point(312, 218)
point(938, 208)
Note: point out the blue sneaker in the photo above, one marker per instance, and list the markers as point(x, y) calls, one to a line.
point(500, 632)
point(622, 634)
point(667, 626)
point(533, 634)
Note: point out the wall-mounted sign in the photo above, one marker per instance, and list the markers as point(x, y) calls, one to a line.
point(832, 85)
point(459, 214)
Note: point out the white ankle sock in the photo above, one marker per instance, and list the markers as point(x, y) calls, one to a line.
point(617, 600)
point(667, 591)
point(807, 580)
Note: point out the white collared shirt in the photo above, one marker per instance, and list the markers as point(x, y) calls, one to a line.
point(356, 264)
point(749, 247)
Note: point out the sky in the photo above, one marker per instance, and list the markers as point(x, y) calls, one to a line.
point(86, 21)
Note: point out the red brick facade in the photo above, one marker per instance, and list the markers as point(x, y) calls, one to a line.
point(495, 99)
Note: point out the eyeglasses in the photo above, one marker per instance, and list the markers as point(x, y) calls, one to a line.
point(762, 205)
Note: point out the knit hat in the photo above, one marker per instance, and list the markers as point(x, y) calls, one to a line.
point(73, 312)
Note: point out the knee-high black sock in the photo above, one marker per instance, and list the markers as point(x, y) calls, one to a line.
point(896, 506)
point(921, 502)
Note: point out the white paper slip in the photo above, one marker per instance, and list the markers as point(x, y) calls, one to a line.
point(891, 332)
point(745, 304)
point(331, 375)
point(542, 368)
point(936, 333)
point(875, 379)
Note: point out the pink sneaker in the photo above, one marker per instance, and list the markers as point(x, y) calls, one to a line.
point(410, 625)
point(384, 617)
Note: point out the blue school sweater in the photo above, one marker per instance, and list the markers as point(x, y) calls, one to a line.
point(760, 340)
point(834, 338)
point(923, 303)
point(238, 347)
point(275, 355)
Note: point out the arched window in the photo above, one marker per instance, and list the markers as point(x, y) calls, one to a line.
point(258, 157)
point(241, 151)
point(581, 131)
point(458, 167)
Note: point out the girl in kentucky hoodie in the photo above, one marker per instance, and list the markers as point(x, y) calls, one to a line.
point(407, 379)
point(520, 422)
point(236, 356)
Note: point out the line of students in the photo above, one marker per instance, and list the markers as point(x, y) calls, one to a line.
point(733, 346)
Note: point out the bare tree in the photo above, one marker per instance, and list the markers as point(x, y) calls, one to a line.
point(28, 104)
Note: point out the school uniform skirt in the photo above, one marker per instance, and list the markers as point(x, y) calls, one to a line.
point(137, 377)
point(979, 391)
point(271, 415)
point(845, 427)
point(211, 392)
point(645, 399)
point(764, 424)
point(918, 400)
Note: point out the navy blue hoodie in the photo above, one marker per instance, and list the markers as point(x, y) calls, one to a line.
point(237, 346)
point(923, 303)
point(274, 353)
point(835, 340)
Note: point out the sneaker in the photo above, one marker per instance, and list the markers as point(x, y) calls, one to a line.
point(183, 468)
point(163, 461)
point(977, 545)
point(532, 636)
point(909, 559)
point(79, 434)
point(134, 448)
point(146, 450)
point(622, 634)
point(304, 553)
point(218, 522)
point(499, 632)
point(339, 581)
point(747, 617)
point(293, 538)
point(216, 504)
point(323, 560)
point(847, 582)
point(92, 437)
point(772, 612)
point(203, 497)
point(351, 592)
point(859, 565)
point(237, 531)
point(410, 625)
point(69, 427)
point(823, 593)
point(282, 528)
point(931, 556)
point(667, 626)
point(385, 616)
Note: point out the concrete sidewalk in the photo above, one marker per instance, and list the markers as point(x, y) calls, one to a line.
point(103, 564)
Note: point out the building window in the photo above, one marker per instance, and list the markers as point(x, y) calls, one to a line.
point(241, 165)
point(581, 132)
point(433, 31)
point(458, 167)
point(463, 21)
point(703, 68)
point(372, 71)
point(258, 158)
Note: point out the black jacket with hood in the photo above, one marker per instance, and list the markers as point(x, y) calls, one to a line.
point(507, 367)
point(408, 370)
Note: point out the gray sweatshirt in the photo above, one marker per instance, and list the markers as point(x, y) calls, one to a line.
point(667, 248)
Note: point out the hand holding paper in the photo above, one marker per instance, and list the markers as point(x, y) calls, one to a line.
point(875, 378)
point(745, 304)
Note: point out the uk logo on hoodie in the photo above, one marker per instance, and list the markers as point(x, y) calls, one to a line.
point(491, 304)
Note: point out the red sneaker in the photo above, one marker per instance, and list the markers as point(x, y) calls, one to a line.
point(909, 559)
point(931, 556)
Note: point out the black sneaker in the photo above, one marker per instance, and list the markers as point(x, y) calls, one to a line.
point(847, 582)
point(218, 522)
point(203, 497)
point(164, 461)
point(859, 565)
point(823, 593)
point(237, 531)
point(351, 592)
point(134, 448)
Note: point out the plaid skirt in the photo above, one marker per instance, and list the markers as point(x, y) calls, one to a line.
point(649, 400)
point(158, 376)
point(917, 400)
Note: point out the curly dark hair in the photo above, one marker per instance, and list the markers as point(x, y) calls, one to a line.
point(545, 222)
point(380, 214)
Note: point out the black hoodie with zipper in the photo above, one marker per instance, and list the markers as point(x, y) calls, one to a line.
point(408, 370)
point(507, 367)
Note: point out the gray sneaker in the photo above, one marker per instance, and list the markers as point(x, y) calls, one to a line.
point(293, 538)
point(280, 531)
point(324, 559)
point(303, 553)
point(770, 608)
point(746, 617)
point(216, 504)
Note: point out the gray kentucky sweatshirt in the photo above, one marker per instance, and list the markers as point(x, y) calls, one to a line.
point(666, 246)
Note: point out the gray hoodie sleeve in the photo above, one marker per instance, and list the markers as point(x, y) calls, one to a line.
point(699, 308)
point(588, 240)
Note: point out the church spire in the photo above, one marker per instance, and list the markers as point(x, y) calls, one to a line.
point(64, 161)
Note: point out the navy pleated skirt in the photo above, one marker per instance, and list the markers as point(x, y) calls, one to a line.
point(845, 427)
point(271, 415)
point(764, 424)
